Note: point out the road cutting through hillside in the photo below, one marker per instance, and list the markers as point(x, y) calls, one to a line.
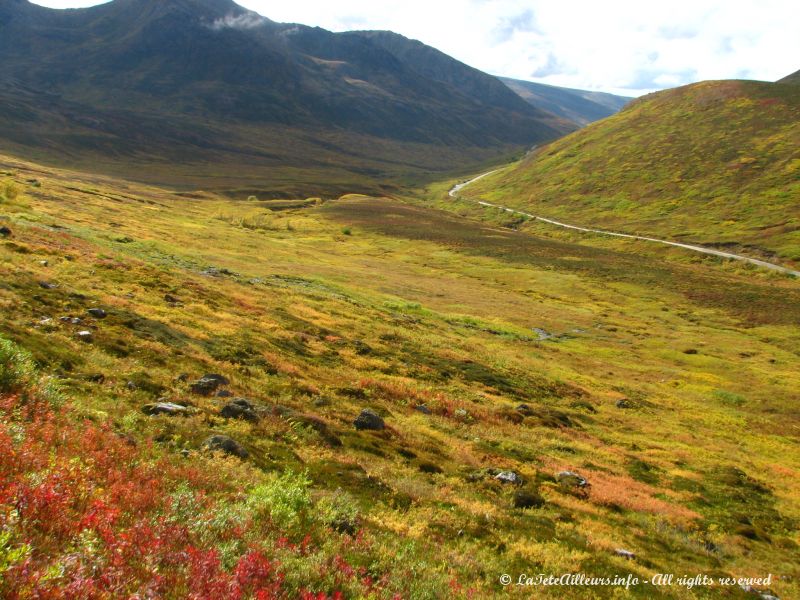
point(761, 263)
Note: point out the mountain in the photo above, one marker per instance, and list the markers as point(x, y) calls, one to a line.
point(579, 106)
point(192, 92)
point(715, 163)
point(793, 78)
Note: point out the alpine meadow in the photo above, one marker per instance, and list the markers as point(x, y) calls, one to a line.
point(291, 313)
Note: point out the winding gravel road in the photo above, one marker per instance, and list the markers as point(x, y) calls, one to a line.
point(761, 263)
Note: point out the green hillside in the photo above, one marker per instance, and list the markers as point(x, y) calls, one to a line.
point(716, 163)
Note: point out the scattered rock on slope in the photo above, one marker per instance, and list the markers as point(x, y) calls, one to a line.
point(571, 479)
point(97, 313)
point(508, 477)
point(208, 384)
point(84, 336)
point(5, 231)
point(165, 408)
point(223, 443)
point(239, 408)
point(369, 419)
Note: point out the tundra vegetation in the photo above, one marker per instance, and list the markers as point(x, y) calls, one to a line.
point(180, 379)
point(714, 163)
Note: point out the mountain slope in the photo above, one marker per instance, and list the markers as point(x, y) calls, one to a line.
point(579, 106)
point(793, 78)
point(716, 163)
point(173, 87)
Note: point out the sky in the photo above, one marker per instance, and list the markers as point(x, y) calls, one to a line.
point(628, 47)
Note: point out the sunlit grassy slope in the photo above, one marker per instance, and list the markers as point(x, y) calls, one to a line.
point(672, 388)
point(716, 162)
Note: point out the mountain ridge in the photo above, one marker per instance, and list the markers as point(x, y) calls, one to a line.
point(211, 63)
point(580, 106)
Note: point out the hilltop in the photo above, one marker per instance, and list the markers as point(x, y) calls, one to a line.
point(713, 163)
point(205, 94)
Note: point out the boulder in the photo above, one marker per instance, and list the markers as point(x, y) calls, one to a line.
point(571, 479)
point(423, 409)
point(97, 313)
point(223, 443)
point(224, 394)
point(525, 409)
point(369, 419)
point(84, 336)
point(528, 499)
point(5, 231)
point(239, 408)
point(165, 408)
point(624, 403)
point(508, 477)
point(46, 285)
point(208, 384)
point(627, 554)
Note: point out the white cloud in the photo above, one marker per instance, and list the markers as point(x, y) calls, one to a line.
point(248, 20)
point(623, 46)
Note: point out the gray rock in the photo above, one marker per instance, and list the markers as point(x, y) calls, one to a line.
point(208, 384)
point(570, 479)
point(47, 285)
point(165, 408)
point(84, 336)
point(131, 385)
point(239, 408)
point(224, 394)
point(97, 313)
point(624, 403)
point(44, 263)
point(369, 419)
point(461, 413)
point(5, 231)
point(625, 553)
point(423, 409)
point(525, 409)
point(508, 477)
point(223, 443)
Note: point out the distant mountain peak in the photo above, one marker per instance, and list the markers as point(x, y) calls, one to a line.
point(793, 78)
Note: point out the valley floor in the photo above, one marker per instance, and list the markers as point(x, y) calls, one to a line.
point(670, 386)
